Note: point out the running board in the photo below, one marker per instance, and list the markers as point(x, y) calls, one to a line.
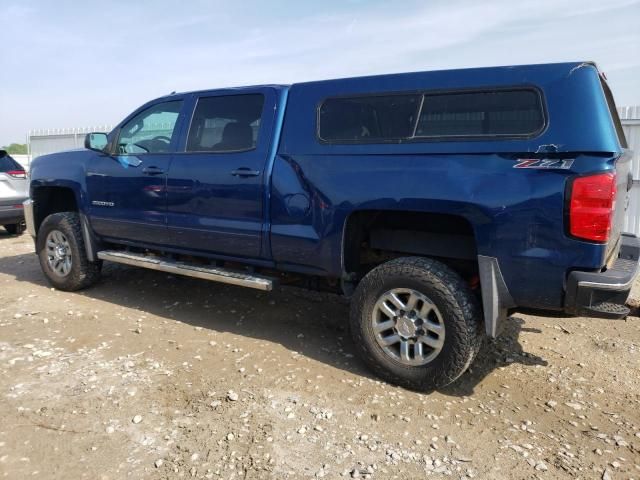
point(190, 270)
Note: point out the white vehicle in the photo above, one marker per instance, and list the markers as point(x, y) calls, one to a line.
point(14, 189)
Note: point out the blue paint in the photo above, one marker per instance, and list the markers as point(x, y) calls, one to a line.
point(292, 216)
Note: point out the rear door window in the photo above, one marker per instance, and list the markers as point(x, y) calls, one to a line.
point(229, 123)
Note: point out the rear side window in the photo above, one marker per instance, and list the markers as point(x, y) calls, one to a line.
point(509, 113)
point(368, 119)
point(226, 124)
point(415, 117)
point(8, 164)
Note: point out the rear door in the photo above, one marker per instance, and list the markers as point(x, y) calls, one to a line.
point(216, 186)
point(127, 189)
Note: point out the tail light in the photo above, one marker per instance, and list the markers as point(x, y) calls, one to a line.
point(591, 206)
point(17, 173)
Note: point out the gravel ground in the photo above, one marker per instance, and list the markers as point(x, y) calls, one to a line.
point(153, 376)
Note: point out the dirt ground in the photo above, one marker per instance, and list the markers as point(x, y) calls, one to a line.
point(153, 376)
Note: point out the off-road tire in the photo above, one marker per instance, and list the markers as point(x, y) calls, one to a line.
point(453, 298)
point(83, 272)
point(15, 228)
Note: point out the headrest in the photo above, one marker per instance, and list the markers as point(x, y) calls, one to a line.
point(237, 135)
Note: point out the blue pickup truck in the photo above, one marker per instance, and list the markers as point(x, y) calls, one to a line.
point(439, 202)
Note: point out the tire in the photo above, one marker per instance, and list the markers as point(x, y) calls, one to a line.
point(64, 230)
point(15, 228)
point(453, 323)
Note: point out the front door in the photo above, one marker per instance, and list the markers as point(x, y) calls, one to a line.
point(215, 187)
point(127, 188)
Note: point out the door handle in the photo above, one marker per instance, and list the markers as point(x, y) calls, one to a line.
point(245, 172)
point(151, 170)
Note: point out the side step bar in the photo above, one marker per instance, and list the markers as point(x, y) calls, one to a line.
point(179, 268)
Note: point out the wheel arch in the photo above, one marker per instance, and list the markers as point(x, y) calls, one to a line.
point(407, 232)
point(50, 198)
point(447, 237)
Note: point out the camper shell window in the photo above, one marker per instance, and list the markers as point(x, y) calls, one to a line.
point(424, 116)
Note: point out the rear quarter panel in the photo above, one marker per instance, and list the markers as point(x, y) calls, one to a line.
point(517, 214)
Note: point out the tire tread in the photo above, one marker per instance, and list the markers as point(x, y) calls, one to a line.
point(84, 273)
point(453, 291)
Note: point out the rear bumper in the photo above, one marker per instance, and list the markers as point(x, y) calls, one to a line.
point(11, 213)
point(604, 294)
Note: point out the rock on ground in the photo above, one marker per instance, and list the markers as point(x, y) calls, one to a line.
point(230, 383)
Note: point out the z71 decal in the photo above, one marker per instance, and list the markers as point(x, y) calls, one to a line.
point(544, 163)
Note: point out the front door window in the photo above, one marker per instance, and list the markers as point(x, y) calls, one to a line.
point(150, 131)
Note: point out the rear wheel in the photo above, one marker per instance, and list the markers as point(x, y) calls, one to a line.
point(62, 253)
point(15, 228)
point(416, 323)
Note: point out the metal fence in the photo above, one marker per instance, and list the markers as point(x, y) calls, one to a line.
point(630, 117)
point(42, 142)
point(23, 160)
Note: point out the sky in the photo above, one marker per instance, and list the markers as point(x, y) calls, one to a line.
point(71, 64)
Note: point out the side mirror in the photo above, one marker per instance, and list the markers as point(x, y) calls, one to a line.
point(96, 141)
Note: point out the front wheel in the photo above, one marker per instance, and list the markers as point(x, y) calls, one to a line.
point(416, 323)
point(62, 254)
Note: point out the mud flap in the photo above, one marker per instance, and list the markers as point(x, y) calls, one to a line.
point(496, 299)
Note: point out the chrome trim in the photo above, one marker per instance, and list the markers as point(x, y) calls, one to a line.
point(206, 273)
point(610, 286)
point(28, 217)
